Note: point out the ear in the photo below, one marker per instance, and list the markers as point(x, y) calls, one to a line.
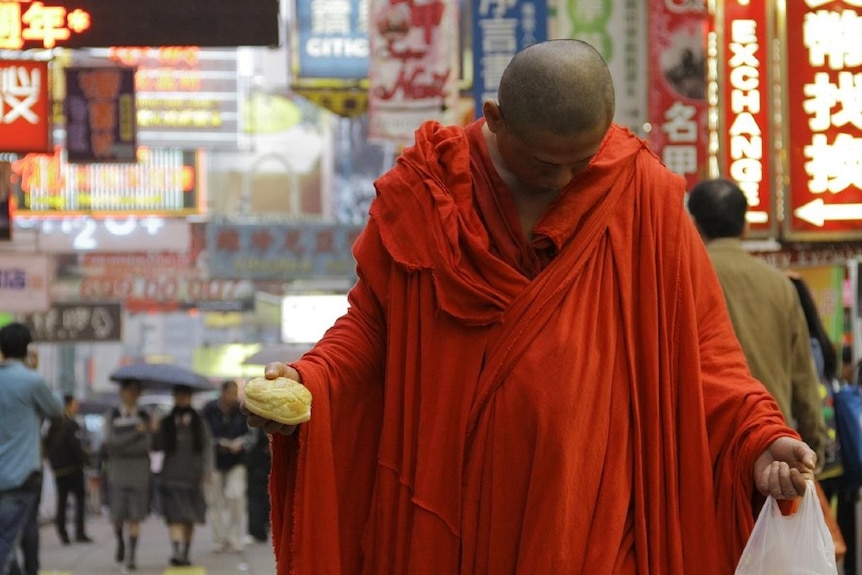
point(493, 116)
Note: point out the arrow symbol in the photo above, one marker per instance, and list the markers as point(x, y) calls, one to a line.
point(817, 212)
point(757, 217)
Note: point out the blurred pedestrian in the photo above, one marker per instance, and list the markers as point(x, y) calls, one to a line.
point(128, 439)
point(68, 460)
point(227, 489)
point(187, 465)
point(764, 309)
point(258, 462)
point(25, 401)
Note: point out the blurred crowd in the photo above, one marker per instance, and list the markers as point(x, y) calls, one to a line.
point(183, 457)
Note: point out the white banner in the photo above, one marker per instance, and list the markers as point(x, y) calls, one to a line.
point(75, 234)
point(24, 282)
point(413, 73)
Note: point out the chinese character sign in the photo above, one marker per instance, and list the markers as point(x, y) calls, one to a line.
point(501, 28)
point(824, 75)
point(26, 24)
point(25, 124)
point(332, 39)
point(24, 282)
point(677, 107)
point(413, 71)
point(744, 107)
point(100, 114)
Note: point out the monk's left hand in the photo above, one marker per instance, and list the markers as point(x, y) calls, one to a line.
point(783, 469)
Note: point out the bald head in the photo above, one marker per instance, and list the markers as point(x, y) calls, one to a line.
point(560, 86)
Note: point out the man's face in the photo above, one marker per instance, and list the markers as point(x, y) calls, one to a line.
point(230, 395)
point(129, 393)
point(545, 162)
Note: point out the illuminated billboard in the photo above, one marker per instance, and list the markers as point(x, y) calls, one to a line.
point(26, 24)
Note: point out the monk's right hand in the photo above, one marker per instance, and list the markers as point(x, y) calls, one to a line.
point(273, 371)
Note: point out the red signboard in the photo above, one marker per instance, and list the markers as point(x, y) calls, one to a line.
point(677, 96)
point(24, 103)
point(745, 125)
point(823, 91)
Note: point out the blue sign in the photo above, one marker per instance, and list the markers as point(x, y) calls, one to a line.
point(501, 28)
point(332, 39)
point(281, 251)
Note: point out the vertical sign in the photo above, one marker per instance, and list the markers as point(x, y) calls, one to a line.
point(332, 39)
point(822, 95)
point(616, 29)
point(5, 201)
point(24, 282)
point(100, 114)
point(677, 107)
point(500, 30)
point(24, 105)
point(413, 72)
point(740, 98)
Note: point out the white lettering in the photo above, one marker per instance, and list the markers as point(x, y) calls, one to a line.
point(337, 47)
point(746, 141)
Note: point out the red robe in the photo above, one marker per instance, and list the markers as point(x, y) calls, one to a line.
point(469, 418)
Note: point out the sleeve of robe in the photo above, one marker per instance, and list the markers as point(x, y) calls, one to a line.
point(345, 387)
point(742, 417)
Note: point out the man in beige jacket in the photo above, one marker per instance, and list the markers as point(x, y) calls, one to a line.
point(764, 308)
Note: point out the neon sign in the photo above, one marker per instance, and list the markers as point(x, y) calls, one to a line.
point(26, 24)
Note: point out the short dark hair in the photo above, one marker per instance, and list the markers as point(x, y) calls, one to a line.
point(68, 399)
point(718, 207)
point(14, 339)
point(228, 384)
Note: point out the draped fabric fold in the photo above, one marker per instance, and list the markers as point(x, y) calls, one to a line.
point(598, 418)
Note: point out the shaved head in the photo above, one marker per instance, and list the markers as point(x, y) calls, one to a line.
point(561, 86)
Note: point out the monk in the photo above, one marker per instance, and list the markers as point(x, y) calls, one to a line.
point(537, 373)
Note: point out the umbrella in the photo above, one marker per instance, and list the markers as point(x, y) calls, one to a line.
point(161, 375)
point(283, 352)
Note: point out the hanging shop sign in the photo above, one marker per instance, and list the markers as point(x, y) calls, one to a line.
point(5, 201)
point(739, 94)
point(677, 107)
point(100, 114)
point(72, 234)
point(413, 75)
point(148, 281)
point(24, 280)
point(823, 119)
point(94, 23)
point(331, 39)
point(163, 181)
point(25, 121)
point(187, 96)
point(330, 54)
point(501, 29)
point(280, 252)
point(76, 323)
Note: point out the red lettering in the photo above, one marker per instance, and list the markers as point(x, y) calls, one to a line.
point(418, 85)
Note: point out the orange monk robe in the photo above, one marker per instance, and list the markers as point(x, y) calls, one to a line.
point(597, 418)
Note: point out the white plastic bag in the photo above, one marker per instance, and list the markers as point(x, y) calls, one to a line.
point(798, 544)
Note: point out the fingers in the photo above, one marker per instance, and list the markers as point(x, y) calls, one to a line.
point(272, 427)
point(783, 482)
point(268, 425)
point(274, 370)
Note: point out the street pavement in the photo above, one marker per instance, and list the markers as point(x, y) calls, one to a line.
point(154, 550)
